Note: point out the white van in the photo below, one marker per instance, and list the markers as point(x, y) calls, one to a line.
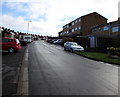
point(28, 38)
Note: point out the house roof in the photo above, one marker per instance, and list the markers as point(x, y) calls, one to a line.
point(94, 13)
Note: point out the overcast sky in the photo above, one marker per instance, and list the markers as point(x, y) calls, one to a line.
point(49, 16)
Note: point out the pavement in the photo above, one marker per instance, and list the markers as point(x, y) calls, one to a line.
point(11, 64)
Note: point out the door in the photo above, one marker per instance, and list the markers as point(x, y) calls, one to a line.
point(92, 42)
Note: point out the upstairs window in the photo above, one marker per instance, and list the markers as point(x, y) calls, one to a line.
point(72, 30)
point(61, 33)
point(72, 23)
point(76, 21)
point(67, 26)
point(67, 32)
point(76, 28)
point(115, 29)
point(105, 28)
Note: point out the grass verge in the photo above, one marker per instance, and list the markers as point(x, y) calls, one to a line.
point(100, 57)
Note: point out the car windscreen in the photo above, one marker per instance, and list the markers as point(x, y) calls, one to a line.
point(74, 44)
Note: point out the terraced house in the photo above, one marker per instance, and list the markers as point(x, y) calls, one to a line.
point(87, 30)
point(107, 35)
point(82, 25)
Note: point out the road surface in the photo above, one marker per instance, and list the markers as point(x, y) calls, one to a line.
point(53, 71)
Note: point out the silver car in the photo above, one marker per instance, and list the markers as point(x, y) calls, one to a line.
point(73, 46)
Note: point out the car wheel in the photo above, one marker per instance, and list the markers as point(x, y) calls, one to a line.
point(11, 50)
point(71, 50)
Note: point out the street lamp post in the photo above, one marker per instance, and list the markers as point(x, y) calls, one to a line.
point(28, 29)
point(28, 26)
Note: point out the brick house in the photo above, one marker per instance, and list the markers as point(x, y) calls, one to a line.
point(82, 25)
point(107, 35)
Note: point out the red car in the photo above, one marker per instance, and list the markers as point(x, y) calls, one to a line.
point(10, 44)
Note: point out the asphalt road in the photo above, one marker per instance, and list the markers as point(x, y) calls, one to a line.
point(53, 71)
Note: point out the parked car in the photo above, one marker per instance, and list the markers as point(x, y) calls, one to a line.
point(58, 41)
point(10, 44)
point(48, 40)
point(52, 41)
point(23, 43)
point(28, 38)
point(72, 46)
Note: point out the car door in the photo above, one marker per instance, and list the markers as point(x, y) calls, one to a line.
point(68, 46)
point(5, 44)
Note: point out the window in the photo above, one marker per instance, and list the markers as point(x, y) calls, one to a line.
point(72, 23)
point(67, 26)
point(76, 28)
point(61, 33)
point(76, 21)
point(105, 28)
point(10, 40)
point(99, 29)
point(72, 30)
point(79, 20)
point(115, 29)
point(4, 40)
point(79, 27)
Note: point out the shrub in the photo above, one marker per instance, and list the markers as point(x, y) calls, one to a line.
point(113, 51)
point(67, 39)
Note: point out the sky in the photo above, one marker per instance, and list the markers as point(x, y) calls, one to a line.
point(47, 17)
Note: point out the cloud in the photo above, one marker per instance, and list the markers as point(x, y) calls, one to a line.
point(119, 9)
point(17, 23)
point(48, 16)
